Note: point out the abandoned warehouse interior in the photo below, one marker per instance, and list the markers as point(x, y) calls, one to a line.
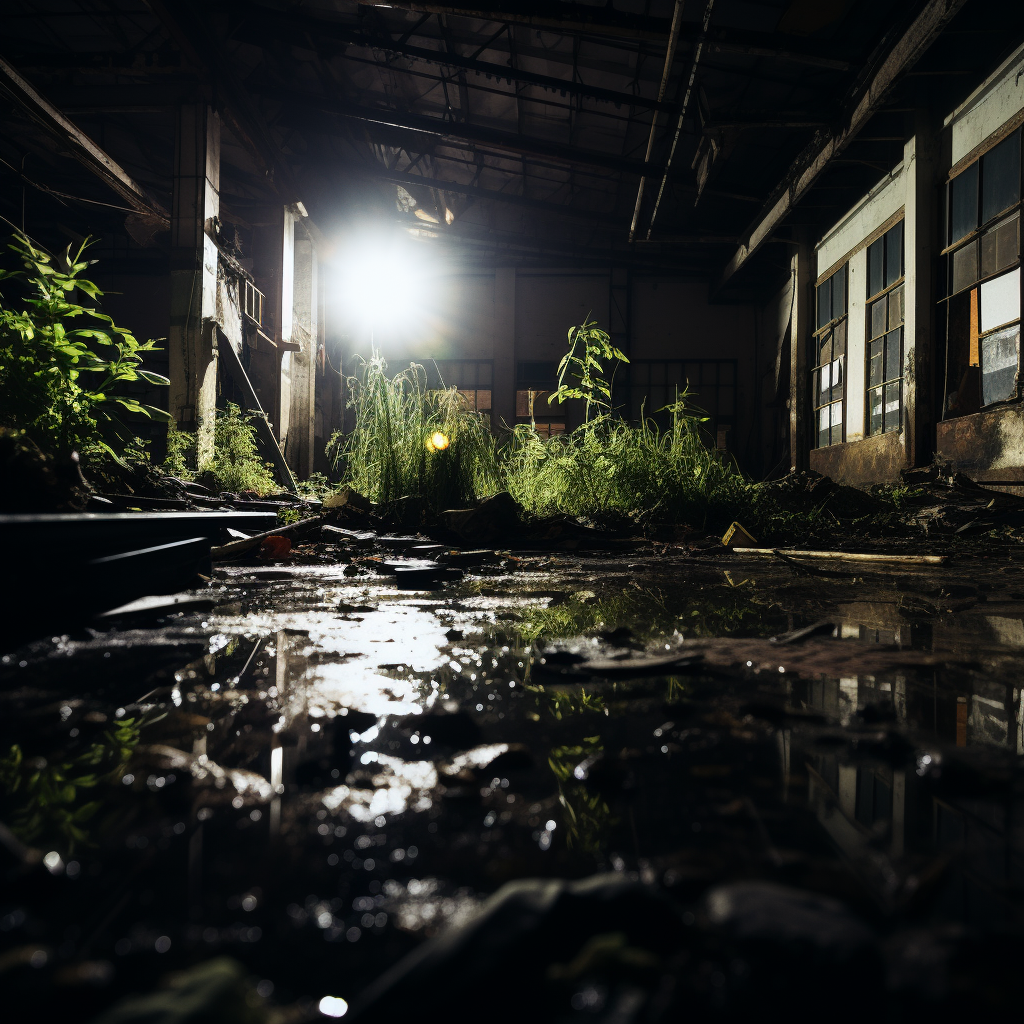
point(646, 374)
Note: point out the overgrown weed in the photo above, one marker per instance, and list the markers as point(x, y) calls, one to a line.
point(236, 464)
point(409, 441)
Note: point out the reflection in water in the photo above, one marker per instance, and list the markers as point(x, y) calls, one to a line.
point(320, 773)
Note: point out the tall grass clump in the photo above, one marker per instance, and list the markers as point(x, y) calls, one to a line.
point(608, 469)
point(409, 441)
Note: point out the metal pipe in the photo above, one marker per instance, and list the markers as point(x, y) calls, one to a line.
point(682, 111)
point(673, 38)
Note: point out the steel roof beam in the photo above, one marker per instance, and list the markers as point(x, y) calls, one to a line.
point(870, 97)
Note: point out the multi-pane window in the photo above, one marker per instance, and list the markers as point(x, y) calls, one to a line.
point(656, 383)
point(983, 247)
point(885, 331)
point(829, 378)
point(536, 383)
point(472, 377)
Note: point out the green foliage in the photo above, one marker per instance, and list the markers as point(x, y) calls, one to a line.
point(49, 800)
point(236, 464)
point(587, 814)
point(409, 441)
point(611, 469)
point(316, 487)
point(588, 346)
point(62, 363)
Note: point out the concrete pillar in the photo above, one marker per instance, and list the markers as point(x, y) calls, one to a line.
point(301, 365)
point(192, 349)
point(801, 330)
point(286, 298)
point(503, 396)
point(920, 160)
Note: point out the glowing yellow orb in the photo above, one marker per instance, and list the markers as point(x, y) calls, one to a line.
point(437, 442)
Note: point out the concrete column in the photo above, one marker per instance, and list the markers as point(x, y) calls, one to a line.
point(920, 160)
point(286, 322)
point(801, 330)
point(503, 396)
point(301, 365)
point(192, 349)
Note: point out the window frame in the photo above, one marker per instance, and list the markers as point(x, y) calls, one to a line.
point(870, 300)
point(819, 336)
point(972, 290)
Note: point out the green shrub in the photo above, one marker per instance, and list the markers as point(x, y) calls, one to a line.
point(236, 464)
point(62, 363)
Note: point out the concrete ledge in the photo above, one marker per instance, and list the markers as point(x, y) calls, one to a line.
point(986, 446)
point(871, 460)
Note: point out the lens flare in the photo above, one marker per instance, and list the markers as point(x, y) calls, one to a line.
point(437, 442)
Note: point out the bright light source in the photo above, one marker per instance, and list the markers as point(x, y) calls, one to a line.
point(437, 442)
point(383, 280)
point(333, 1006)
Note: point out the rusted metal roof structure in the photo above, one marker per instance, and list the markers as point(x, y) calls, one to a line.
point(696, 137)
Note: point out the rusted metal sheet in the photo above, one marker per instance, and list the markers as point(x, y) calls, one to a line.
point(871, 460)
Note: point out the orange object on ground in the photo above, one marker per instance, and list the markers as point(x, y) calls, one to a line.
point(275, 547)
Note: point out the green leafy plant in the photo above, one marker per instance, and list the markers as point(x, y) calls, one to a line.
point(589, 348)
point(48, 796)
point(63, 364)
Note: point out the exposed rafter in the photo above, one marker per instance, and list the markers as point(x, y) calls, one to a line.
point(73, 141)
point(492, 138)
point(306, 31)
point(603, 21)
point(869, 98)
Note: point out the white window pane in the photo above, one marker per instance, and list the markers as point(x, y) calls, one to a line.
point(1000, 300)
point(826, 377)
point(837, 372)
point(823, 417)
point(999, 354)
point(837, 413)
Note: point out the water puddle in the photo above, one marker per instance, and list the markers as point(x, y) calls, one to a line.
point(323, 771)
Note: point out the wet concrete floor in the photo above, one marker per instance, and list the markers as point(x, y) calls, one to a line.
point(316, 772)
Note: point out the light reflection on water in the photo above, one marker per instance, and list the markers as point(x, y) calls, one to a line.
point(293, 708)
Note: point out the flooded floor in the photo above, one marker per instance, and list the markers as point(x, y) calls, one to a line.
point(313, 773)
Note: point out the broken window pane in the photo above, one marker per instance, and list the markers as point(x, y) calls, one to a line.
point(876, 268)
point(839, 339)
point(837, 380)
point(895, 307)
point(963, 204)
point(875, 411)
point(878, 318)
point(875, 362)
point(1000, 245)
point(894, 254)
point(1000, 177)
point(892, 355)
point(825, 350)
point(1000, 301)
point(823, 418)
point(1000, 353)
point(892, 406)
